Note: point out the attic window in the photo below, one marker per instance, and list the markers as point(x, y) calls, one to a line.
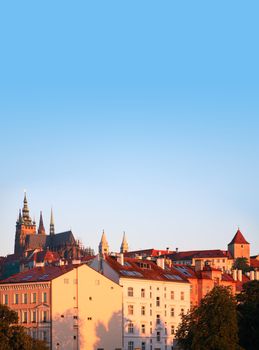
point(173, 277)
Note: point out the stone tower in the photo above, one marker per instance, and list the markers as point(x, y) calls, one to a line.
point(239, 247)
point(124, 244)
point(103, 245)
point(24, 226)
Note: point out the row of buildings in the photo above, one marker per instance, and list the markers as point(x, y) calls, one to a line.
point(126, 300)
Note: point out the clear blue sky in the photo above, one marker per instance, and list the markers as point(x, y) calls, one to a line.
point(140, 116)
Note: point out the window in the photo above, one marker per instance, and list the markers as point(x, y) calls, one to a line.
point(25, 298)
point(182, 311)
point(44, 335)
point(158, 319)
point(24, 317)
point(142, 293)
point(157, 301)
point(44, 297)
point(44, 318)
point(33, 317)
point(182, 295)
point(158, 336)
point(130, 292)
point(172, 294)
point(33, 298)
point(6, 299)
point(143, 310)
point(143, 329)
point(130, 309)
point(143, 346)
point(150, 294)
point(172, 311)
point(130, 327)
point(172, 330)
point(131, 345)
point(16, 298)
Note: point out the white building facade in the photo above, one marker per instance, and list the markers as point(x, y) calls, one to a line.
point(153, 301)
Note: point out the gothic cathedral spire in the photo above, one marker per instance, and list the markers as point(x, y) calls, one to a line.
point(41, 229)
point(51, 226)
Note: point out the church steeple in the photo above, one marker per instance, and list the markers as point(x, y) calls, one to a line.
point(25, 211)
point(124, 244)
point(51, 226)
point(103, 245)
point(41, 229)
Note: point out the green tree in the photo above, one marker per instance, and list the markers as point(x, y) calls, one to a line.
point(248, 315)
point(242, 264)
point(13, 336)
point(212, 325)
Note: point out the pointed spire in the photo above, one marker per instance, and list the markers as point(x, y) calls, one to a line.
point(25, 210)
point(41, 229)
point(51, 226)
point(103, 245)
point(124, 244)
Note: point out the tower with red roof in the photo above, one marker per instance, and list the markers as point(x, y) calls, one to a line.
point(239, 247)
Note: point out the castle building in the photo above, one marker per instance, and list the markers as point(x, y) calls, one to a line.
point(28, 238)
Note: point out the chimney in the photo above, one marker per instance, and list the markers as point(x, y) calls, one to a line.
point(167, 249)
point(239, 275)
point(199, 264)
point(120, 259)
point(252, 275)
point(234, 274)
point(161, 263)
point(176, 250)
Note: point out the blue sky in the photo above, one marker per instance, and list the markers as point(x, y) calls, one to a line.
point(140, 116)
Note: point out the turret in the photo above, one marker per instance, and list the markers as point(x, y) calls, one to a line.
point(239, 247)
point(103, 245)
point(124, 244)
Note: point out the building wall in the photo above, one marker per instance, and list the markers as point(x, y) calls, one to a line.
point(153, 289)
point(240, 251)
point(86, 311)
point(32, 303)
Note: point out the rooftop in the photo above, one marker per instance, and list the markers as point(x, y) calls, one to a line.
point(239, 238)
point(39, 274)
point(144, 269)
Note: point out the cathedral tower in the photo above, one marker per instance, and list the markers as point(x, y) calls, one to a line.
point(24, 226)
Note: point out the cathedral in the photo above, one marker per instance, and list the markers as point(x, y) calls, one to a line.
point(29, 239)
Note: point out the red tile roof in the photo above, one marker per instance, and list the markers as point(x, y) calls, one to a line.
point(239, 238)
point(189, 255)
point(39, 274)
point(144, 269)
point(254, 263)
point(148, 252)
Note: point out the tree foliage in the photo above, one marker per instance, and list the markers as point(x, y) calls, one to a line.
point(13, 336)
point(248, 315)
point(212, 325)
point(242, 264)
